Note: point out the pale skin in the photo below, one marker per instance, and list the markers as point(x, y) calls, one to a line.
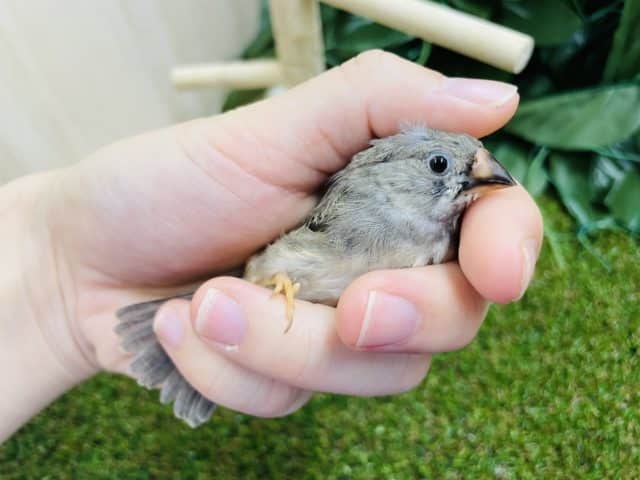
point(149, 215)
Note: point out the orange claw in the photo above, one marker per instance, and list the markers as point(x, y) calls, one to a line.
point(283, 284)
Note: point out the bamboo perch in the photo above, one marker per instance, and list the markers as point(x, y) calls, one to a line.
point(297, 30)
point(241, 75)
point(471, 36)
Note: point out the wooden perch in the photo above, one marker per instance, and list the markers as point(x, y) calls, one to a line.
point(471, 36)
point(242, 75)
point(297, 30)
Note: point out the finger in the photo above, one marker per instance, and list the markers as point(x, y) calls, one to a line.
point(429, 309)
point(232, 312)
point(218, 379)
point(315, 128)
point(500, 241)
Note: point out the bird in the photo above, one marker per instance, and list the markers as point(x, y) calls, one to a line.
point(398, 203)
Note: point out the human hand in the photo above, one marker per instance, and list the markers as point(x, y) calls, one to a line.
point(192, 201)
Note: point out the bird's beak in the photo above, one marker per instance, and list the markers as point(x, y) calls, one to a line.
point(486, 174)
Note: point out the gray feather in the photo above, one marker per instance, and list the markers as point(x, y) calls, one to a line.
point(152, 367)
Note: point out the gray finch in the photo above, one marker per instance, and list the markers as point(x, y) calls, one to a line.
point(397, 204)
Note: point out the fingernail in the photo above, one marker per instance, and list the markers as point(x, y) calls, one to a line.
point(168, 327)
point(220, 319)
point(387, 320)
point(482, 92)
point(529, 255)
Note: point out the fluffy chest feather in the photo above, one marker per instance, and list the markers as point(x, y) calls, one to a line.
point(325, 262)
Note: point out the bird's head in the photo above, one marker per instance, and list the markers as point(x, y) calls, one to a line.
point(440, 171)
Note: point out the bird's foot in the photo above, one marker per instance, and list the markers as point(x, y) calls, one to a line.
point(282, 284)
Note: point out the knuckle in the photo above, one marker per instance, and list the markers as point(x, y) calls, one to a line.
point(260, 403)
point(373, 58)
point(275, 400)
point(415, 370)
point(362, 65)
point(261, 396)
point(364, 70)
point(292, 401)
point(455, 330)
point(462, 338)
point(305, 367)
point(298, 401)
point(212, 386)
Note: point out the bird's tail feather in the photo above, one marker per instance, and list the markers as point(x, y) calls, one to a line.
point(152, 367)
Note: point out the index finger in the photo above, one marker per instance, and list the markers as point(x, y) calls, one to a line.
point(313, 129)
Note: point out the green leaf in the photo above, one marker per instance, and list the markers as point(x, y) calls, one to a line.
point(549, 22)
point(605, 171)
point(330, 24)
point(373, 35)
point(582, 120)
point(416, 51)
point(479, 8)
point(457, 65)
point(237, 98)
point(536, 85)
point(624, 60)
point(536, 180)
point(608, 167)
point(262, 45)
point(361, 34)
point(626, 151)
point(512, 156)
point(578, 62)
point(570, 175)
point(425, 52)
point(624, 201)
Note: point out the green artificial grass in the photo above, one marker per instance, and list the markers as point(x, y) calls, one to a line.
point(549, 389)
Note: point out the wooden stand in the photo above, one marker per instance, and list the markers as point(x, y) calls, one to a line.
point(297, 30)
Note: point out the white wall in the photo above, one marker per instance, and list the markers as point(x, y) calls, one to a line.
point(77, 74)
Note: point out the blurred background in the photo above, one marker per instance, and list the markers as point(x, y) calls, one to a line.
point(550, 387)
point(77, 75)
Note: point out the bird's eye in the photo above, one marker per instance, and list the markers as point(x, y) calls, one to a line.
point(438, 163)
